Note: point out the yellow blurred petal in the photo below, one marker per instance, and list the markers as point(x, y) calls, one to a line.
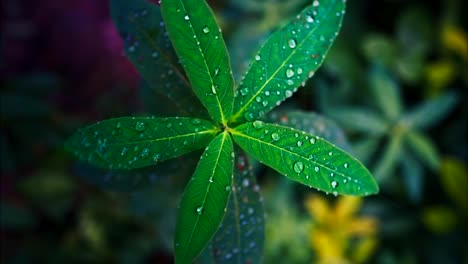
point(326, 246)
point(364, 250)
point(455, 40)
point(439, 219)
point(318, 208)
point(363, 226)
point(454, 179)
point(439, 75)
point(346, 207)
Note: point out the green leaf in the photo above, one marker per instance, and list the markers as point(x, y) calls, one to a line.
point(431, 112)
point(305, 158)
point(314, 124)
point(205, 199)
point(424, 148)
point(198, 41)
point(387, 162)
point(133, 142)
point(240, 237)
point(413, 179)
point(386, 92)
point(360, 120)
point(288, 59)
point(141, 27)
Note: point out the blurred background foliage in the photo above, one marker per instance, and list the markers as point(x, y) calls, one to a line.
point(393, 91)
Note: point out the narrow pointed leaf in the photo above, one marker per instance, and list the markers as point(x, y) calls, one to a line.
point(424, 148)
point(134, 142)
point(287, 59)
point(431, 112)
point(240, 237)
point(386, 93)
point(388, 160)
point(413, 179)
point(205, 199)
point(314, 124)
point(141, 27)
point(305, 158)
point(198, 41)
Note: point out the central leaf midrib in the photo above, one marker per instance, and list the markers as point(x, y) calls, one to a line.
point(165, 138)
point(207, 191)
point(242, 110)
point(223, 118)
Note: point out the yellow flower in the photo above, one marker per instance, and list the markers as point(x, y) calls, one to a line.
point(338, 236)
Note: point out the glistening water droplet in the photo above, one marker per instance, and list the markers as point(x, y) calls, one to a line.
point(206, 30)
point(275, 136)
point(258, 124)
point(334, 184)
point(140, 126)
point(292, 43)
point(298, 167)
point(289, 73)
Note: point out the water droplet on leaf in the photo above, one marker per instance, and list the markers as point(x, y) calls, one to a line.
point(298, 167)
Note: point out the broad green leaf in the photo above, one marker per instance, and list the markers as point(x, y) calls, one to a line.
point(424, 148)
point(413, 179)
point(361, 120)
point(431, 112)
point(141, 27)
point(240, 237)
point(314, 124)
point(288, 59)
point(134, 142)
point(387, 162)
point(198, 41)
point(204, 200)
point(386, 92)
point(305, 158)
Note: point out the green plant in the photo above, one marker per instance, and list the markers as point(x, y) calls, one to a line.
point(285, 61)
point(402, 131)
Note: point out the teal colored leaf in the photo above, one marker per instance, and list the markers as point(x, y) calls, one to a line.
point(134, 142)
point(314, 124)
point(240, 237)
point(360, 120)
point(431, 112)
point(198, 41)
point(413, 179)
point(305, 158)
point(204, 200)
point(288, 59)
point(423, 147)
point(386, 92)
point(141, 27)
point(386, 163)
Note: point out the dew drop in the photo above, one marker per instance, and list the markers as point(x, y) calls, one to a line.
point(298, 167)
point(317, 169)
point(124, 152)
point(312, 140)
point(334, 184)
point(289, 73)
point(299, 143)
point(213, 89)
point(244, 91)
point(258, 124)
point(140, 126)
point(228, 188)
point(199, 210)
point(316, 3)
point(206, 30)
point(309, 19)
point(258, 57)
point(346, 165)
point(288, 93)
point(275, 136)
point(196, 121)
point(292, 43)
point(186, 17)
point(118, 125)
